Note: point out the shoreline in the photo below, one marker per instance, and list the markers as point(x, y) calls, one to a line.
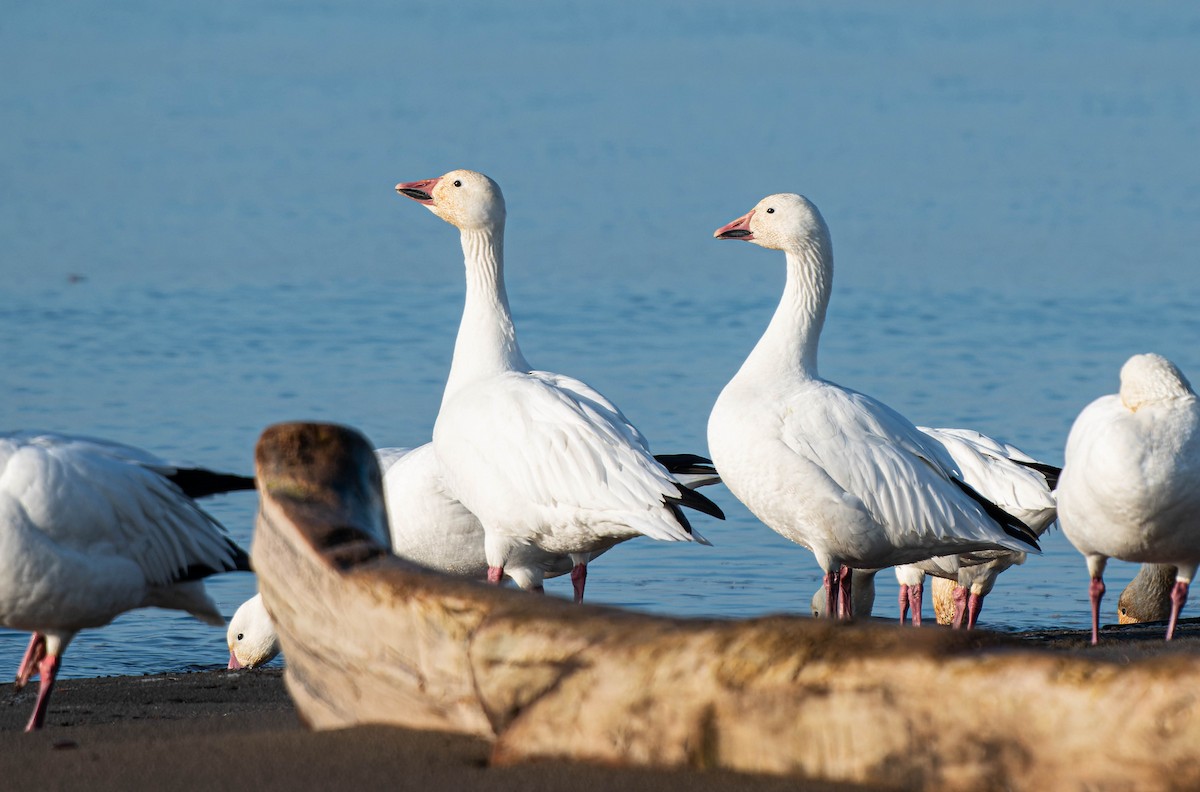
point(210, 729)
point(201, 729)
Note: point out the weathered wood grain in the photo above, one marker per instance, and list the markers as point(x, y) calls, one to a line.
point(370, 638)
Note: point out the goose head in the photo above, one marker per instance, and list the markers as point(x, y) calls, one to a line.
point(1150, 378)
point(784, 221)
point(251, 637)
point(463, 198)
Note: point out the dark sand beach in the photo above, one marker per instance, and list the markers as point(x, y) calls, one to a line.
point(227, 729)
point(210, 729)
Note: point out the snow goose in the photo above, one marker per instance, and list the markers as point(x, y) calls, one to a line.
point(1147, 598)
point(90, 529)
point(539, 458)
point(1130, 486)
point(1006, 476)
point(432, 527)
point(824, 466)
point(251, 636)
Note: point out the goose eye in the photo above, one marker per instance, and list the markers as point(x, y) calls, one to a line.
point(457, 183)
point(239, 636)
point(771, 211)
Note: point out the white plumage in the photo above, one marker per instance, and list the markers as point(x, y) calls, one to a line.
point(827, 467)
point(541, 459)
point(251, 636)
point(432, 527)
point(90, 529)
point(1130, 486)
point(1004, 475)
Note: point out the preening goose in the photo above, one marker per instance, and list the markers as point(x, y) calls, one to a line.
point(1130, 486)
point(90, 529)
point(539, 458)
point(826, 467)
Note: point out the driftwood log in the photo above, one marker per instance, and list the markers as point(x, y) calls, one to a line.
point(371, 638)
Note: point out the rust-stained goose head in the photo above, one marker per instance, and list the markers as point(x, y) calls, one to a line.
point(463, 198)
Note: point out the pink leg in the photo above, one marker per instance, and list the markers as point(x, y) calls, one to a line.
point(28, 667)
point(960, 605)
point(831, 595)
point(579, 580)
point(1096, 592)
point(974, 605)
point(495, 574)
point(1178, 600)
point(915, 595)
point(904, 603)
point(845, 606)
point(47, 669)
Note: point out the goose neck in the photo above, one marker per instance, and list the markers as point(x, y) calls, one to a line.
point(487, 339)
point(789, 345)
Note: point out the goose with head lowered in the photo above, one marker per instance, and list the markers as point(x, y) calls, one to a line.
point(825, 466)
point(90, 529)
point(251, 635)
point(1130, 486)
point(539, 458)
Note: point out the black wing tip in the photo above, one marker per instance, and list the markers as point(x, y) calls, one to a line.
point(1012, 526)
point(241, 559)
point(200, 483)
point(694, 500)
point(685, 464)
point(1049, 472)
point(239, 562)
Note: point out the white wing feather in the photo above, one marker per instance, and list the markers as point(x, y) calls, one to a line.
point(550, 445)
point(898, 475)
point(103, 498)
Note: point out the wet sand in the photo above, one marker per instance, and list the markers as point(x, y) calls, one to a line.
point(238, 728)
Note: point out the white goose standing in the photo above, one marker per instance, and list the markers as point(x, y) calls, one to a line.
point(539, 458)
point(1006, 476)
point(431, 527)
point(824, 466)
point(90, 529)
point(1130, 486)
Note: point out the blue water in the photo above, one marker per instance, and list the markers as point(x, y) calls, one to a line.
point(1013, 195)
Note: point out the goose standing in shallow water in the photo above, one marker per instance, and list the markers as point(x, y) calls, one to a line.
point(431, 527)
point(1130, 486)
point(90, 529)
point(539, 458)
point(1006, 476)
point(824, 466)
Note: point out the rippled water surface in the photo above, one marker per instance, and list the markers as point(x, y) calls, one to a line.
point(198, 236)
